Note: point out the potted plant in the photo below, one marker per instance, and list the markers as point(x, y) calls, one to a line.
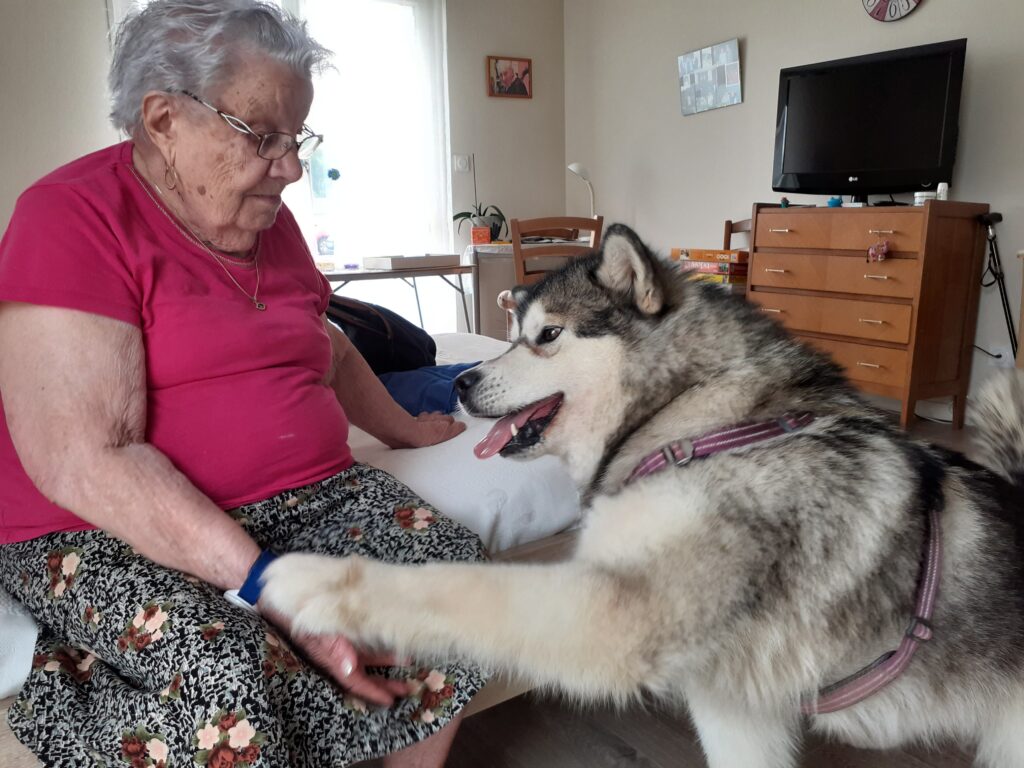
point(481, 215)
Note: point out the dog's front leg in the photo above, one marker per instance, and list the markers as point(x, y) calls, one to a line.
point(568, 625)
point(734, 736)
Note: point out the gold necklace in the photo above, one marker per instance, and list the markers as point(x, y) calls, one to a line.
point(193, 237)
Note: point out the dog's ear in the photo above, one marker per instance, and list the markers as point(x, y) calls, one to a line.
point(510, 299)
point(506, 300)
point(627, 267)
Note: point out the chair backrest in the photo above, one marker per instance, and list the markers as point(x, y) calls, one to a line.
point(731, 228)
point(532, 261)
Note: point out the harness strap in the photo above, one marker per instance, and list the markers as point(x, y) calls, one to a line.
point(887, 667)
point(683, 451)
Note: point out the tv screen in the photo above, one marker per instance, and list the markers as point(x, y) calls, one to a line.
point(878, 124)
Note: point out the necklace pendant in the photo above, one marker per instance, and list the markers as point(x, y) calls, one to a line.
point(259, 305)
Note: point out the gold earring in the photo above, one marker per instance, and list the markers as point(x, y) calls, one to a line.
point(170, 171)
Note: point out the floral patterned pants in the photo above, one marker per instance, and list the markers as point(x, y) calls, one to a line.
point(141, 665)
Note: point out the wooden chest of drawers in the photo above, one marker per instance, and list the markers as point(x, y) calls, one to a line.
point(902, 327)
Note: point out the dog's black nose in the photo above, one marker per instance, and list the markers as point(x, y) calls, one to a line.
point(465, 381)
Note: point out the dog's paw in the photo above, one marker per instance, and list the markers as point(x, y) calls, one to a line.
point(319, 594)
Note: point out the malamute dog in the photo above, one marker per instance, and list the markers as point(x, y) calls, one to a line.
point(741, 582)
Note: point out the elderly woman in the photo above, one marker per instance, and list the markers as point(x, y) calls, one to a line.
point(175, 411)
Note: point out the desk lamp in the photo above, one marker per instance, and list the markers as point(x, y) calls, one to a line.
point(584, 174)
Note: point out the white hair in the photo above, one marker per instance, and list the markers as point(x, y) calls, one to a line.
point(192, 45)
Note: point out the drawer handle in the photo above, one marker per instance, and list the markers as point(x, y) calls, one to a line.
point(868, 365)
point(881, 231)
point(870, 322)
point(876, 277)
point(773, 311)
point(777, 271)
point(780, 231)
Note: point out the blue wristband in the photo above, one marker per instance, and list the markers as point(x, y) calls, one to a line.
point(249, 593)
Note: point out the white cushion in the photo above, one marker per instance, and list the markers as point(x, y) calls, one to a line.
point(17, 641)
point(505, 502)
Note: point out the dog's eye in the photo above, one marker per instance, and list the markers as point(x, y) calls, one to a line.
point(548, 334)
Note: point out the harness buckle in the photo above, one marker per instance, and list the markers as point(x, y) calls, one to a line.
point(679, 452)
point(920, 630)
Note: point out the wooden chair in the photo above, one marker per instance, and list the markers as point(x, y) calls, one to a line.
point(532, 262)
point(731, 228)
point(557, 233)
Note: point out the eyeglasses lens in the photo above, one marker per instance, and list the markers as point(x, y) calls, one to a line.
point(274, 146)
point(309, 146)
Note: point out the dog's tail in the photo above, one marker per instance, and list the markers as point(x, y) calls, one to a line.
point(1000, 414)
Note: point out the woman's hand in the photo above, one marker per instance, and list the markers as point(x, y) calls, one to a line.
point(423, 430)
point(370, 407)
point(337, 657)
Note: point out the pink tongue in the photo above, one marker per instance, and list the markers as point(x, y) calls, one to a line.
point(501, 433)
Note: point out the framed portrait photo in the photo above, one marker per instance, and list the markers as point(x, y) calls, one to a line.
point(509, 76)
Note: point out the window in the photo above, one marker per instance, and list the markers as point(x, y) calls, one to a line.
point(379, 183)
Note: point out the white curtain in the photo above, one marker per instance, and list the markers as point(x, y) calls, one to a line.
point(379, 183)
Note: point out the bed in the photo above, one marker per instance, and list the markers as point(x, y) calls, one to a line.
point(512, 506)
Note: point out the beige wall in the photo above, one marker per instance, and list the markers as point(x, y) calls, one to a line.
point(677, 178)
point(519, 143)
point(53, 68)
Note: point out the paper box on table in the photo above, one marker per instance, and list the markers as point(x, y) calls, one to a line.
point(481, 235)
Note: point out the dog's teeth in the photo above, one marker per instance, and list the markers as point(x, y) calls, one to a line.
point(513, 429)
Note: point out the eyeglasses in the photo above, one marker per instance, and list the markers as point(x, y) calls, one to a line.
point(274, 145)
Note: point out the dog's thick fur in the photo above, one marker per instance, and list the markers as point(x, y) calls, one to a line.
point(742, 582)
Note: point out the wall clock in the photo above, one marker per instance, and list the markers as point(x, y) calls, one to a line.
point(890, 10)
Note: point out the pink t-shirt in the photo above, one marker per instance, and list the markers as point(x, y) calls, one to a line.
point(235, 396)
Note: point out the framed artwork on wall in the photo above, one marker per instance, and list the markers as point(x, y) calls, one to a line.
point(510, 76)
point(709, 78)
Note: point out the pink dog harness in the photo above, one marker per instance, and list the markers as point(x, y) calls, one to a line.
point(680, 452)
point(890, 665)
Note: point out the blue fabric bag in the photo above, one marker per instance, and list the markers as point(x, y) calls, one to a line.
point(431, 388)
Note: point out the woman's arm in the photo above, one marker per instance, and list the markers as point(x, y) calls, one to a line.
point(74, 394)
point(370, 407)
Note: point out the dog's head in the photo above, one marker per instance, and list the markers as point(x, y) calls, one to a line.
point(563, 385)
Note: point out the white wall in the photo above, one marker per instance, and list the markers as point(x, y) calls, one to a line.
point(519, 143)
point(53, 66)
point(675, 179)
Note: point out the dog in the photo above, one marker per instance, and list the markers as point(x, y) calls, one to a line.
point(740, 583)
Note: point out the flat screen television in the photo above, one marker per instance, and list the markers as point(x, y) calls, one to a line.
point(876, 124)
